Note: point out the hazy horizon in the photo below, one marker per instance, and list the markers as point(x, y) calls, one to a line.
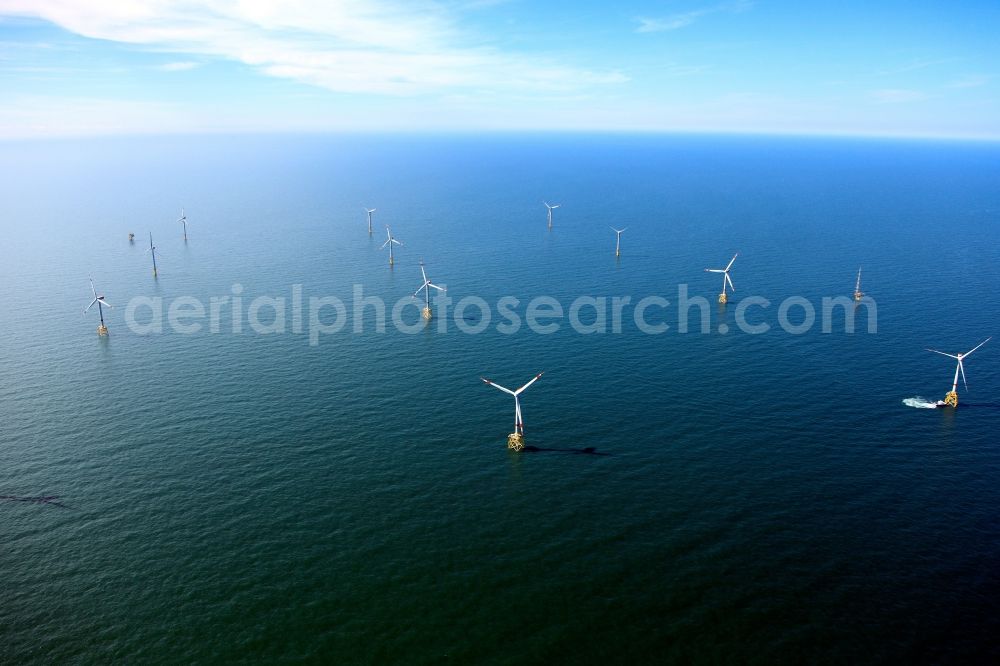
point(459, 133)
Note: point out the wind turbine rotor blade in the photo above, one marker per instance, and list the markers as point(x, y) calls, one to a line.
point(730, 281)
point(397, 242)
point(431, 284)
point(385, 243)
point(714, 270)
point(730, 265)
point(534, 379)
point(87, 309)
point(497, 386)
point(962, 368)
point(424, 273)
point(977, 346)
point(942, 353)
point(104, 302)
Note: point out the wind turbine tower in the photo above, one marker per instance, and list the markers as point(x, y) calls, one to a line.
point(426, 287)
point(951, 397)
point(551, 208)
point(390, 242)
point(152, 251)
point(618, 240)
point(101, 303)
point(725, 278)
point(515, 440)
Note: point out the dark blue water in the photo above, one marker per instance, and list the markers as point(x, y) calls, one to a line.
point(705, 497)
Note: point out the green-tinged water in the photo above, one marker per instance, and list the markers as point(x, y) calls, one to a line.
point(691, 497)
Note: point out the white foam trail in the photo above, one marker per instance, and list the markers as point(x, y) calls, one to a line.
point(919, 403)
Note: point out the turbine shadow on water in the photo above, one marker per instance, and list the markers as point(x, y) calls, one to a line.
point(52, 500)
point(587, 451)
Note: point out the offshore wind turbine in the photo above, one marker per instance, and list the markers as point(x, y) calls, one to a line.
point(951, 398)
point(426, 286)
point(515, 440)
point(551, 208)
point(725, 277)
point(184, 220)
point(101, 303)
point(389, 243)
point(858, 294)
point(370, 211)
point(618, 240)
point(152, 251)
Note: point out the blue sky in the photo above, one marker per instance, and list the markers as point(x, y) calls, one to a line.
point(98, 67)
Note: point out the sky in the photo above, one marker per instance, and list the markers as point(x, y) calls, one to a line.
point(885, 68)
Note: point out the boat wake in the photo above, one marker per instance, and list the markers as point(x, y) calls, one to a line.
point(919, 403)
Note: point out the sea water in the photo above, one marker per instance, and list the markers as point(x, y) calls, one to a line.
point(713, 495)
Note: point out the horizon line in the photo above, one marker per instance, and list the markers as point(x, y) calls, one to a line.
point(818, 134)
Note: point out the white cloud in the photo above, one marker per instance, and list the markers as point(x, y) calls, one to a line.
point(970, 81)
point(676, 21)
point(675, 69)
point(915, 65)
point(897, 96)
point(351, 46)
point(40, 116)
point(669, 23)
point(179, 66)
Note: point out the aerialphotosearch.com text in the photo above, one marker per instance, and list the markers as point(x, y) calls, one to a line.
point(320, 317)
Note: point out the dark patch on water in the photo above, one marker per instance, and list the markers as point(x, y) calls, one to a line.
point(41, 499)
point(587, 451)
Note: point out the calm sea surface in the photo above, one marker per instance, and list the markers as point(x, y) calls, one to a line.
point(693, 497)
